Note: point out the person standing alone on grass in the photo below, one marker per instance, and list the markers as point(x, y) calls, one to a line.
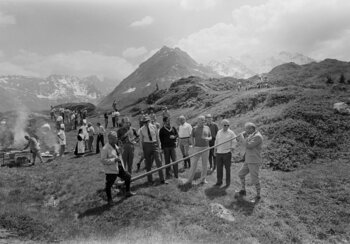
point(201, 135)
point(106, 119)
point(214, 130)
point(61, 135)
point(33, 145)
point(100, 131)
point(149, 143)
point(252, 140)
point(224, 152)
point(113, 115)
point(128, 137)
point(114, 167)
point(185, 132)
point(168, 138)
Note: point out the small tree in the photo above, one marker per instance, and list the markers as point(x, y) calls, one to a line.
point(342, 79)
point(329, 80)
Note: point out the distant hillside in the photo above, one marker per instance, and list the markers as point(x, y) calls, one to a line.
point(247, 66)
point(292, 105)
point(40, 93)
point(314, 73)
point(158, 72)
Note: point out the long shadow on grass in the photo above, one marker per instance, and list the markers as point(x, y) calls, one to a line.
point(214, 192)
point(99, 209)
point(242, 205)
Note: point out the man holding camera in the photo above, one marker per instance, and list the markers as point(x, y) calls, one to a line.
point(113, 166)
point(252, 140)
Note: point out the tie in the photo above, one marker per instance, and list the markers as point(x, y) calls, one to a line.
point(149, 133)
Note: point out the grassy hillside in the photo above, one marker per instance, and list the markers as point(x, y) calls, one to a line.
point(305, 179)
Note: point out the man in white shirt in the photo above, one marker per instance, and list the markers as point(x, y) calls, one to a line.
point(149, 143)
point(224, 152)
point(113, 166)
point(185, 132)
point(62, 140)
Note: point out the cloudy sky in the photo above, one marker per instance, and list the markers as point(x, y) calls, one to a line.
point(112, 37)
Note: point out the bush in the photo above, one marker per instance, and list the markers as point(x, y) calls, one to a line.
point(305, 130)
point(278, 98)
point(154, 96)
point(244, 105)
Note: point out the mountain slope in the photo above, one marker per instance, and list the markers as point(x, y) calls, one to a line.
point(158, 72)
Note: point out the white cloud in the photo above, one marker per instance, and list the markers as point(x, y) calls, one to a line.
point(197, 5)
point(313, 27)
point(80, 63)
point(148, 20)
point(7, 19)
point(133, 52)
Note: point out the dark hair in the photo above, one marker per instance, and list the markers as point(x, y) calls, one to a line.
point(165, 119)
point(98, 123)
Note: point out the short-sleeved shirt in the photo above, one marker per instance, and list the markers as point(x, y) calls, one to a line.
point(91, 131)
point(185, 130)
point(61, 137)
point(198, 133)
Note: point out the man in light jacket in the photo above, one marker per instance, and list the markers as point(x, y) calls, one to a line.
point(252, 140)
point(113, 166)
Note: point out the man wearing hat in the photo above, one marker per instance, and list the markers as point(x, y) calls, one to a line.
point(62, 140)
point(149, 144)
point(252, 140)
point(113, 166)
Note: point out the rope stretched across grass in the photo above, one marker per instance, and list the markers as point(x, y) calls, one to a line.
point(180, 160)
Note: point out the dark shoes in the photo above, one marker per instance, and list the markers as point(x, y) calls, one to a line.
point(129, 194)
point(163, 182)
point(218, 184)
point(256, 199)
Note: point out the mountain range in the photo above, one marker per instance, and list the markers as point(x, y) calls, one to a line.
point(158, 72)
point(40, 93)
point(246, 66)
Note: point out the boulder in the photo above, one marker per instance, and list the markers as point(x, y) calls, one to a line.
point(342, 108)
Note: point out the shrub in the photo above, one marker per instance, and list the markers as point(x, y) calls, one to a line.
point(305, 130)
point(278, 98)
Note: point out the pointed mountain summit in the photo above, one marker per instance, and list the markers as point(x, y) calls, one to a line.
point(158, 72)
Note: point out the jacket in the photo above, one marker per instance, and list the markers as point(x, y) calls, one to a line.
point(253, 146)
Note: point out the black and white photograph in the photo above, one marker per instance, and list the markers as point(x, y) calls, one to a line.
point(175, 121)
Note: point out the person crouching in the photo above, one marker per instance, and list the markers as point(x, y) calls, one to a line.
point(113, 166)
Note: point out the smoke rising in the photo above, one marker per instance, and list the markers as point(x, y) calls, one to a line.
point(19, 130)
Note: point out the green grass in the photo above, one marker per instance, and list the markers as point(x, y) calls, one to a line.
point(308, 205)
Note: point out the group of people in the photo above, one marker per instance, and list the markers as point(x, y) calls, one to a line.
point(212, 145)
point(207, 141)
point(70, 118)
